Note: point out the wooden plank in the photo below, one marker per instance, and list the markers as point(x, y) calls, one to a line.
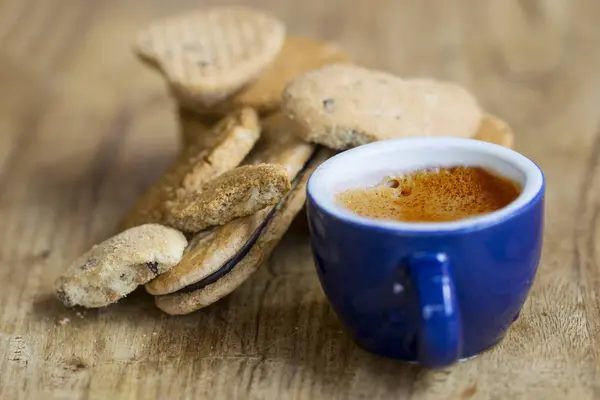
point(84, 128)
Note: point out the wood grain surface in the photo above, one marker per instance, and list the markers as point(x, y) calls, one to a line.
point(84, 128)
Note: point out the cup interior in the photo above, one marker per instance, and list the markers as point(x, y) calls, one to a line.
point(367, 165)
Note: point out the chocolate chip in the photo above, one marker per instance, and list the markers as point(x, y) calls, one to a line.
point(203, 63)
point(75, 364)
point(153, 266)
point(328, 105)
point(405, 191)
point(79, 365)
point(89, 264)
point(393, 183)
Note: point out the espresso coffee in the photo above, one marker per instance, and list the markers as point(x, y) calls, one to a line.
point(433, 195)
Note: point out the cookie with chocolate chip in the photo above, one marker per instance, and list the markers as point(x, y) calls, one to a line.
point(116, 267)
point(343, 106)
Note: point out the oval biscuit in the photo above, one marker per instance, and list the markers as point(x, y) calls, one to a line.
point(343, 106)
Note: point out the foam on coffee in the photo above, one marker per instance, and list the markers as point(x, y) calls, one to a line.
point(433, 195)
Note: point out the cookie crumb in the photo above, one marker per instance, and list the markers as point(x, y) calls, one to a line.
point(64, 321)
point(79, 315)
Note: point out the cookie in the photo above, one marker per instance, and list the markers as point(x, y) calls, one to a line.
point(209, 251)
point(343, 106)
point(299, 55)
point(243, 265)
point(208, 55)
point(234, 194)
point(196, 130)
point(117, 266)
point(196, 165)
point(494, 130)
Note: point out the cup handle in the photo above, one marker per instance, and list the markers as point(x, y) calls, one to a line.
point(440, 339)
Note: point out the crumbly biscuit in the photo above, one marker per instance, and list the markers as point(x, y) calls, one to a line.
point(299, 55)
point(209, 251)
point(208, 55)
point(236, 193)
point(197, 165)
point(189, 301)
point(117, 266)
point(494, 130)
point(343, 106)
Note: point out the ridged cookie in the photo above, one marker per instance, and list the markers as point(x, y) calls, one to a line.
point(236, 193)
point(209, 251)
point(188, 300)
point(494, 130)
point(117, 266)
point(299, 55)
point(209, 54)
point(197, 165)
point(343, 106)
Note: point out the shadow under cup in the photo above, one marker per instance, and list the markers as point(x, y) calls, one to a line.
point(431, 293)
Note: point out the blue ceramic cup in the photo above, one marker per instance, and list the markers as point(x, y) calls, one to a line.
point(431, 293)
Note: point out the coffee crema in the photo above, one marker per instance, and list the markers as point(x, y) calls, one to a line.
point(433, 195)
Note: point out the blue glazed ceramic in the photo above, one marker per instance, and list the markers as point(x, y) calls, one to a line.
point(431, 293)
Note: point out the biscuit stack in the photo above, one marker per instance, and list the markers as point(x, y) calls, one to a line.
point(259, 110)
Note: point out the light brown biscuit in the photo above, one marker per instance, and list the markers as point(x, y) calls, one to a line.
point(299, 55)
point(209, 251)
point(117, 266)
point(343, 106)
point(197, 165)
point(209, 54)
point(494, 130)
point(187, 302)
point(236, 193)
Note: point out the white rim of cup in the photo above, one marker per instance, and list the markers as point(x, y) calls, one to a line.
point(322, 195)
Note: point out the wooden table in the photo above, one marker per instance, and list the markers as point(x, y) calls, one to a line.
point(84, 128)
